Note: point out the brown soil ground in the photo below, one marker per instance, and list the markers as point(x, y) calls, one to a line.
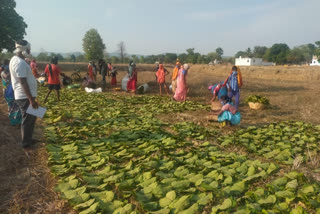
point(26, 184)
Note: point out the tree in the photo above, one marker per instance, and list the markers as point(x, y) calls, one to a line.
point(241, 53)
point(170, 58)
point(72, 58)
point(59, 56)
point(142, 59)
point(182, 57)
point(191, 56)
point(6, 55)
point(213, 55)
point(122, 51)
point(93, 45)
point(219, 51)
point(278, 53)
point(135, 58)
point(43, 57)
point(80, 58)
point(115, 60)
point(296, 56)
point(259, 51)
point(249, 52)
point(317, 50)
point(190, 51)
point(12, 25)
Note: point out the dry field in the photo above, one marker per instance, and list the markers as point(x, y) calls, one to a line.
point(27, 184)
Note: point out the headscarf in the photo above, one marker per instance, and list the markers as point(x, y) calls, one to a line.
point(176, 70)
point(239, 77)
point(131, 68)
point(22, 46)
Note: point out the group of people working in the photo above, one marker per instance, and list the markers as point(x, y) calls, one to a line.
point(179, 80)
point(19, 78)
point(20, 87)
point(225, 91)
point(104, 69)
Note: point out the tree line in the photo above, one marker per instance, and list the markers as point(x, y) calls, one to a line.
point(279, 53)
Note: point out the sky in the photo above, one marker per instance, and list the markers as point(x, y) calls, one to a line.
point(170, 26)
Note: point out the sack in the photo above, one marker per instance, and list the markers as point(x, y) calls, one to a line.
point(124, 83)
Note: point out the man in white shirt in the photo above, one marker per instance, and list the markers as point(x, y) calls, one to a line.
point(25, 89)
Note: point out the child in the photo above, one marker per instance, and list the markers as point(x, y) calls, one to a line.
point(53, 72)
point(234, 83)
point(218, 90)
point(113, 74)
point(161, 78)
point(228, 112)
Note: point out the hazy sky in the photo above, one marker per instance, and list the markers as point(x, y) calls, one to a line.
point(154, 27)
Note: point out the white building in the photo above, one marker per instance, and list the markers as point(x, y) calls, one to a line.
point(252, 62)
point(315, 61)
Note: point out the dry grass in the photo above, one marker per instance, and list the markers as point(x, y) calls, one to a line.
point(26, 183)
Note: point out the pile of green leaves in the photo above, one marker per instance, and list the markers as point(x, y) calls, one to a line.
point(112, 155)
point(291, 193)
point(257, 99)
point(282, 142)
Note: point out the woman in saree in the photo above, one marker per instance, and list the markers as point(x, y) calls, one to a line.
point(133, 78)
point(228, 113)
point(13, 108)
point(182, 89)
point(174, 76)
point(161, 78)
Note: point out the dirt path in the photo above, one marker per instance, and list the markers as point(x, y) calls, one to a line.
point(26, 185)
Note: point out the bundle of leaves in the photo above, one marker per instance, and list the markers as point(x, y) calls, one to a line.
point(257, 99)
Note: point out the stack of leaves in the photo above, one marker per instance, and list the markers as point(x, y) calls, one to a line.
point(257, 99)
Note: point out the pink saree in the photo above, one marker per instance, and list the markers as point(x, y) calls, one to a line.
point(181, 91)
